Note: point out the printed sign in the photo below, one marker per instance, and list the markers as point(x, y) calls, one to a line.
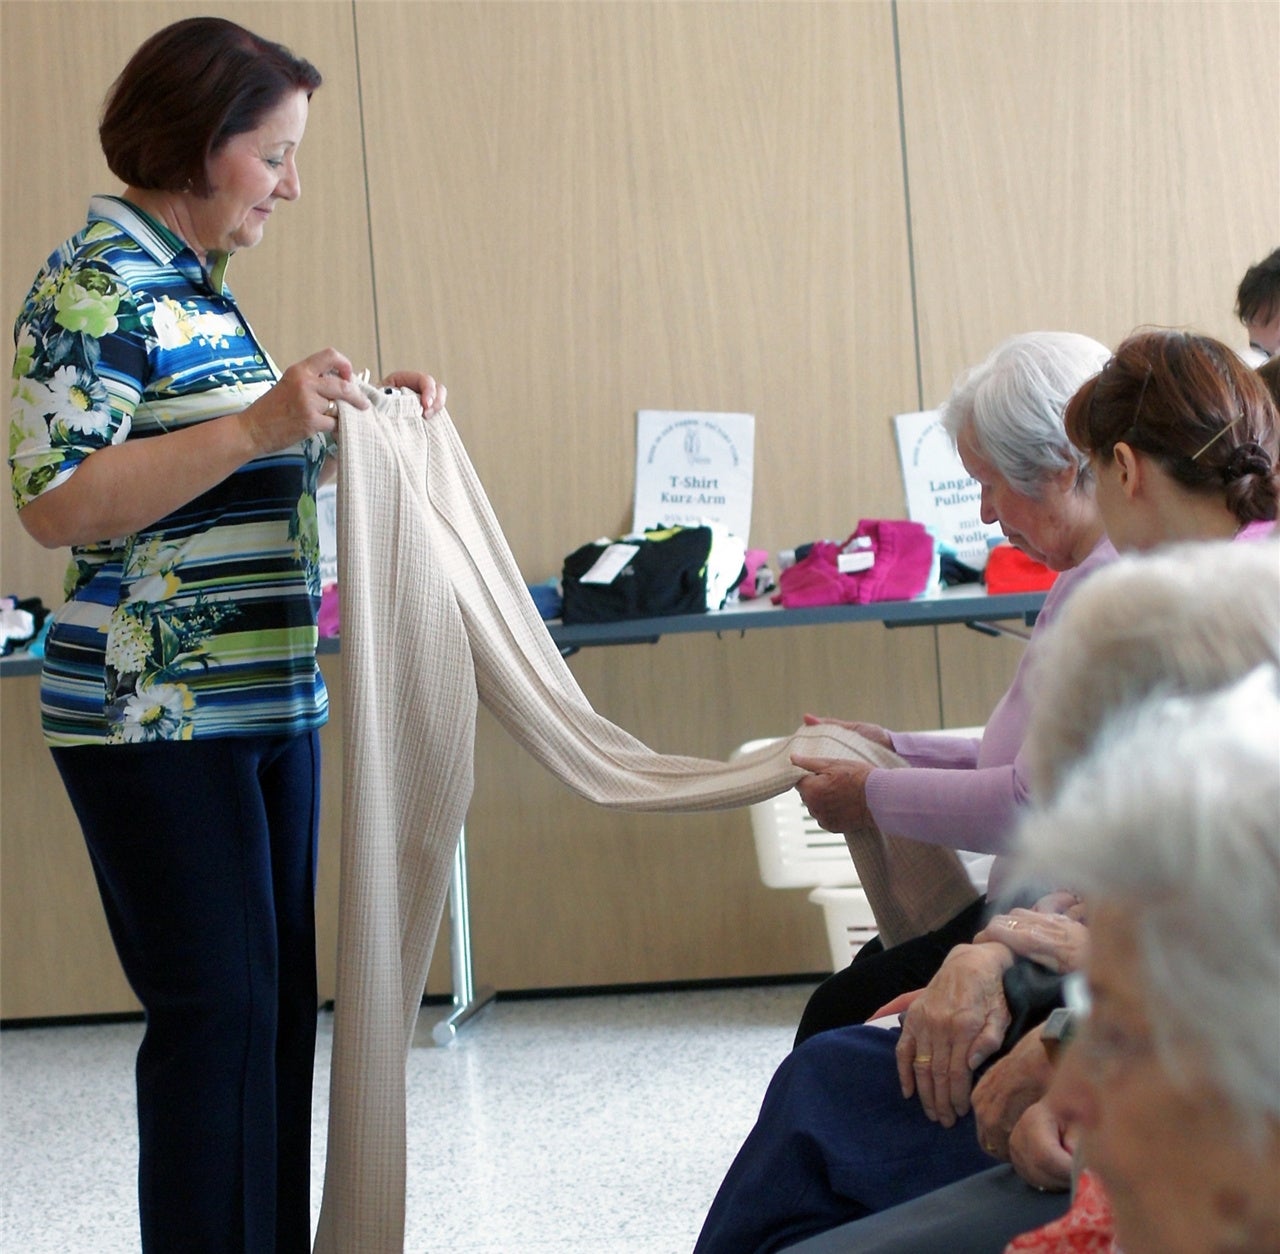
point(694, 468)
point(940, 492)
point(327, 516)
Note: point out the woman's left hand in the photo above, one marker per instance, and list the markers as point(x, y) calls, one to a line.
point(430, 393)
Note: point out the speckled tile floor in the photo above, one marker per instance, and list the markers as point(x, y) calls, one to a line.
point(583, 1125)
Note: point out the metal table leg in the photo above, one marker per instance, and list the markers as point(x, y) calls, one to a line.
point(468, 1001)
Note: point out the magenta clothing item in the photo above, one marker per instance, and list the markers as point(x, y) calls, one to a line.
point(903, 562)
point(961, 792)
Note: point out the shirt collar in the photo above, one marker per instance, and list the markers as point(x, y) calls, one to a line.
point(160, 243)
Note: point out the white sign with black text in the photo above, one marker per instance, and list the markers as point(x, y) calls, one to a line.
point(941, 494)
point(693, 468)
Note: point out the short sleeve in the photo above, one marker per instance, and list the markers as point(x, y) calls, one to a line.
point(78, 373)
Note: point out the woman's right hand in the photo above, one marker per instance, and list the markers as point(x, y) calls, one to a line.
point(952, 1028)
point(303, 403)
point(870, 731)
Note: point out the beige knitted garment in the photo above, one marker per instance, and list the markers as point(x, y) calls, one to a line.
point(435, 614)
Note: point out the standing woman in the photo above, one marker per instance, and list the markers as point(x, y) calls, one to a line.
point(181, 698)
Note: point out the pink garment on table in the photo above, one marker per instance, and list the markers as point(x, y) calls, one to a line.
point(964, 793)
point(329, 619)
point(903, 562)
point(755, 565)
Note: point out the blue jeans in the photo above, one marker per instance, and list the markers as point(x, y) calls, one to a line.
point(835, 1140)
point(205, 857)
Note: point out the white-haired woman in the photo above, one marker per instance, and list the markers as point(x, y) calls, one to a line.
point(1006, 418)
point(1169, 829)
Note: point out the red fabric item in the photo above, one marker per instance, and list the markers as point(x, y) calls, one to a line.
point(1011, 570)
point(904, 559)
point(1087, 1228)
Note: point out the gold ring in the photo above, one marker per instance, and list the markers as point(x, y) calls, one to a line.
point(922, 1060)
point(331, 409)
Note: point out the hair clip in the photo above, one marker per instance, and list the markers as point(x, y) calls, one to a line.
point(1214, 439)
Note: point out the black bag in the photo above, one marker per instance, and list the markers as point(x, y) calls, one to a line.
point(666, 575)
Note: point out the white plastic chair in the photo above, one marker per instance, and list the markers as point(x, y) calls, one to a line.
point(794, 852)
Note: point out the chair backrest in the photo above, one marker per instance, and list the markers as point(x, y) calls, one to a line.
point(792, 850)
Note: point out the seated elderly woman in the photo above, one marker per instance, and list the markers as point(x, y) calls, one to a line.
point(836, 1140)
point(1006, 417)
point(1169, 829)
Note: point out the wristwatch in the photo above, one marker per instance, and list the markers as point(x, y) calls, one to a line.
point(1059, 1028)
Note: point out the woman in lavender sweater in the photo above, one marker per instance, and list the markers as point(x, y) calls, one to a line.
point(1006, 417)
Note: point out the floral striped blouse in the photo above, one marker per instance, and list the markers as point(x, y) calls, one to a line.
point(203, 624)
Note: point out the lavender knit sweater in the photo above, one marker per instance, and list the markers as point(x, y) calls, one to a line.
point(964, 793)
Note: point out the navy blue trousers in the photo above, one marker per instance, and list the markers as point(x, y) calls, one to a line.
point(834, 1141)
point(205, 856)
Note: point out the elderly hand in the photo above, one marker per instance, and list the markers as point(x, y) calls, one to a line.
point(1062, 902)
point(952, 1028)
point(1040, 1149)
point(1009, 1088)
point(835, 792)
point(870, 731)
point(430, 393)
point(1053, 940)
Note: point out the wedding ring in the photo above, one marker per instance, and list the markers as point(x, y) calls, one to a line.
point(1011, 924)
point(922, 1060)
point(331, 409)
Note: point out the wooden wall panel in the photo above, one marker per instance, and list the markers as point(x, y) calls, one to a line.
point(584, 209)
point(56, 955)
point(1080, 166)
point(1085, 166)
point(581, 210)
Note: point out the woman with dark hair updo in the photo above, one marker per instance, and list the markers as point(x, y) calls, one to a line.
point(1182, 438)
point(151, 432)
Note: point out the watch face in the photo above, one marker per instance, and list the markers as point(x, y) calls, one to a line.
point(1058, 1029)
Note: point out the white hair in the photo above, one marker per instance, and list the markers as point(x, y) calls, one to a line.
point(1188, 618)
point(1012, 405)
point(1174, 817)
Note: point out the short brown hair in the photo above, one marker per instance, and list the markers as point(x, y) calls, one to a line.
point(186, 91)
point(1189, 402)
point(1258, 296)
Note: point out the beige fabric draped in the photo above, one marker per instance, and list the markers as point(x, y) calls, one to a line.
point(435, 614)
